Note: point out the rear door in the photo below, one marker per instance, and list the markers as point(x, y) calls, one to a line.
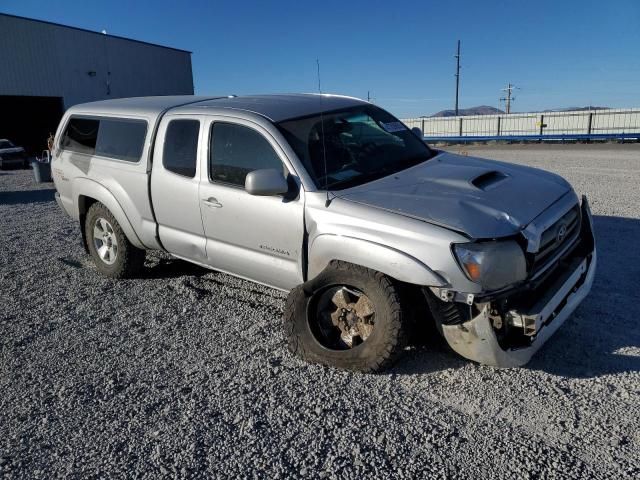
point(255, 237)
point(175, 181)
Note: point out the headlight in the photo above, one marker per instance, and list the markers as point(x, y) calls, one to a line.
point(492, 264)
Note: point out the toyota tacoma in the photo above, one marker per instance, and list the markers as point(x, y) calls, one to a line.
point(337, 202)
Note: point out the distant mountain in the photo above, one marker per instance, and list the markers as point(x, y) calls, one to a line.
point(577, 109)
point(482, 110)
point(486, 110)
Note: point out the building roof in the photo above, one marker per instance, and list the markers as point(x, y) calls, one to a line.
point(276, 108)
point(92, 32)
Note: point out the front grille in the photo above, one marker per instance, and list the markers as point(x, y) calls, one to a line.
point(555, 238)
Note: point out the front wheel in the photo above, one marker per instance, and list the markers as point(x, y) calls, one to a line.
point(347, 317)
point(112, 253)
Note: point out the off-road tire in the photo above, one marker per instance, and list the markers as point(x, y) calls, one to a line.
point(129, 259)
point(379, 351)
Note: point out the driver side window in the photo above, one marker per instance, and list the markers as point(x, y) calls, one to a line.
point(236, 150)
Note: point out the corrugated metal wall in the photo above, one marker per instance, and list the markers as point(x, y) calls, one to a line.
point(594, 122)
point(42, 59)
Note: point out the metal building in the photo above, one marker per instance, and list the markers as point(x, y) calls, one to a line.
point(45, 68)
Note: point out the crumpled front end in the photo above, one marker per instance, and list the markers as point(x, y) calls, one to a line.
point(505, 329)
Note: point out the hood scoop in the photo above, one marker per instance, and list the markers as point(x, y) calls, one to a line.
point(488, 180)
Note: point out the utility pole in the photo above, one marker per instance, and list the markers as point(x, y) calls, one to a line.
point(457, 56)
point(508, 99)
point(368, 96)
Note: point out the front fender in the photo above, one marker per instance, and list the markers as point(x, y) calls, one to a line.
point(93, 189)
point(384, 259)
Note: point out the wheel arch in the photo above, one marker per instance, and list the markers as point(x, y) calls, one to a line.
point(86, 193)
point(382, 258)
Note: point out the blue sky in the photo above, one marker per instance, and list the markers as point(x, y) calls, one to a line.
point(560, 53)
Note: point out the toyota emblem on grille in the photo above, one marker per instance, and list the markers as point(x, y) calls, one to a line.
point(562, 232)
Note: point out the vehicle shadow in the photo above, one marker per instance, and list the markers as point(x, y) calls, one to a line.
point(27, 196)
point(602, 337)
point(171, 268)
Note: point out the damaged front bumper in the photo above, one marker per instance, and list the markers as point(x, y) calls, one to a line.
point(477, 339)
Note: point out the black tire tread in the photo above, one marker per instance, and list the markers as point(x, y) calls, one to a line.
point(130, 259)
point(394, 342)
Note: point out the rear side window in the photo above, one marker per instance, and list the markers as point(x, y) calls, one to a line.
point(181, 147)
point(236, 151)
point(122, 139)
point(119, 138)
point(81, 135)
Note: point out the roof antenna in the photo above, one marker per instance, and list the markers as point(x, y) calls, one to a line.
point(324, 150)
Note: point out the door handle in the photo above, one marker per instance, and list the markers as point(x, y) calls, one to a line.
point(211, 202)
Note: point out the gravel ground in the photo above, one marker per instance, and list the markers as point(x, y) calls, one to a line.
point(183, 372)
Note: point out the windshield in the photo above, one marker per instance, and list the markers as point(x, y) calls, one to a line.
point(5, 144)
point(353, 146)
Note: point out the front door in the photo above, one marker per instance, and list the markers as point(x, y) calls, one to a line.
point(255, 237)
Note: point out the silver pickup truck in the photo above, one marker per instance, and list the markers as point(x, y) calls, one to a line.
point(335, 201)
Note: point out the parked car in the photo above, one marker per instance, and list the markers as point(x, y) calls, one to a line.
point(335, 201)
point(10, 155)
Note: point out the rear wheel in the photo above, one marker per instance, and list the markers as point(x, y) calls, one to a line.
point(112, 253)
point(348, 317)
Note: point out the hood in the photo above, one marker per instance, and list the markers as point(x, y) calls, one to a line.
point(480, 198)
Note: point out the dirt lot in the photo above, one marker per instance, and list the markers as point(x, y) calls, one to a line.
point(183, 372)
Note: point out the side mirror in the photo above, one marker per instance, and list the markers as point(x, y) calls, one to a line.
point(266, 182)
point(418, 132)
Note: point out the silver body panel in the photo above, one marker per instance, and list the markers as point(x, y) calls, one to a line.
point(254, 237)
point(176, 200)
point(120, 185)
point(403, 225)
point(441, 191)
